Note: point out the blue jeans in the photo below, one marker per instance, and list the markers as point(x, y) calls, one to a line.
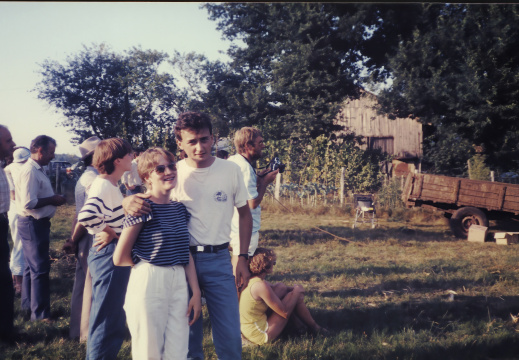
point(35, 235)
point(107, 328)
point(214, 271)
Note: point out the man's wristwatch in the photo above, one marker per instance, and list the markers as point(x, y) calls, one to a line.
point(246, 256)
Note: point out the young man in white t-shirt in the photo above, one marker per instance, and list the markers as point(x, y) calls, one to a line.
point(210, 188)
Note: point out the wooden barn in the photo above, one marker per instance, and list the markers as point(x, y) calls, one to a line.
point(401, 138)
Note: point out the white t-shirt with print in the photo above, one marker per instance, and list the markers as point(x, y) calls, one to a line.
point(210, 195)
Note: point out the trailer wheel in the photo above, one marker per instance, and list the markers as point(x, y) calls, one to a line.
point(464, 218)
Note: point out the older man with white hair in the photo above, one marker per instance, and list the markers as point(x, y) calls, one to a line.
point(6, 281)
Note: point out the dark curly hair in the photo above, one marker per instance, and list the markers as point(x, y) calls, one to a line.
point(194, 121)
point(262, 260)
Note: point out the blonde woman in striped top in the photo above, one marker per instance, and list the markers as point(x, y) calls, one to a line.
point(156, 245)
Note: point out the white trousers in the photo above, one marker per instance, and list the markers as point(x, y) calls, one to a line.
point(17, 263)
point(156, 312)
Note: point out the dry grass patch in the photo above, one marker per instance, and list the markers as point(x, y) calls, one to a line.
point(407, 289)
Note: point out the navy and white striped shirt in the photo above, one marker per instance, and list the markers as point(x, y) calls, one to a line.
point(102, 208)
point(164, 238)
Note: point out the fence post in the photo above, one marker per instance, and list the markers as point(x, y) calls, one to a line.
point(278, 185)
point(492, 176)
point(57, 180)
point(341, 193)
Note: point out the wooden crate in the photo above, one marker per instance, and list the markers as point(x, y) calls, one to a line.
point(477, 233)
point(506, 238)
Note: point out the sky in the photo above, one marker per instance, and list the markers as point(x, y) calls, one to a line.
point(32, 32)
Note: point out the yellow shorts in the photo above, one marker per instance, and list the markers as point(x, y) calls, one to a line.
point(255, 333)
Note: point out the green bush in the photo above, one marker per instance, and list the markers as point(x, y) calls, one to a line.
point(319, 161)
point(478, 169)
point(389, 197)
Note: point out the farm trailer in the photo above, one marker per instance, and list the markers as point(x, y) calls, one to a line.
point(465, 202)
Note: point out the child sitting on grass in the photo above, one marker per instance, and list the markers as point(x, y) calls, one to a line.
point(286, 303)
point(157, 246)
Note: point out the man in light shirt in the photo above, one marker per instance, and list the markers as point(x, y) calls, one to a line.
point(249, 146)
point(6, 281)
point(36, 204)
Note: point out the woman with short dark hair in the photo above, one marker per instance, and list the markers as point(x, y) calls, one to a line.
point(102, 216)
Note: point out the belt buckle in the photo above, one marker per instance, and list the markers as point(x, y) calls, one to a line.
point(199, 248)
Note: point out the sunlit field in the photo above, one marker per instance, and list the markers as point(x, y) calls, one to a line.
point(407, 289)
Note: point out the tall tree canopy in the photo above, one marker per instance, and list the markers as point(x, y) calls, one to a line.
point(459, 73)
point(112, 95)
point(296, 63)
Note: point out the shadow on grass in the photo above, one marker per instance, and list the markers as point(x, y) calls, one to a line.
point(36, 332)
point(63, 270)
point(311, 236)
point(373, 270)
point(465, 328)
point(399, 286)
point(439, 315)
point(504, 348)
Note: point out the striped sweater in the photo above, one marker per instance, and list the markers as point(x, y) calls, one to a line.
point(164, 238)
point(102, 208)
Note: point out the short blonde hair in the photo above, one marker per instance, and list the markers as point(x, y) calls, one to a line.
point(149, 159)
point(245, 136)
point(107, 151)
point(262, 260)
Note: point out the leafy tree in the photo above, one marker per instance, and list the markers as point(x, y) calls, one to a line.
point(459, 73)
point(293, 65)
point(154, 99)
point(200, 78)
point(298, 62)
point(87, 91)
point(113, 95)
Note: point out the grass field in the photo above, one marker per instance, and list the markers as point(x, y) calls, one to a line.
point(405, 290)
